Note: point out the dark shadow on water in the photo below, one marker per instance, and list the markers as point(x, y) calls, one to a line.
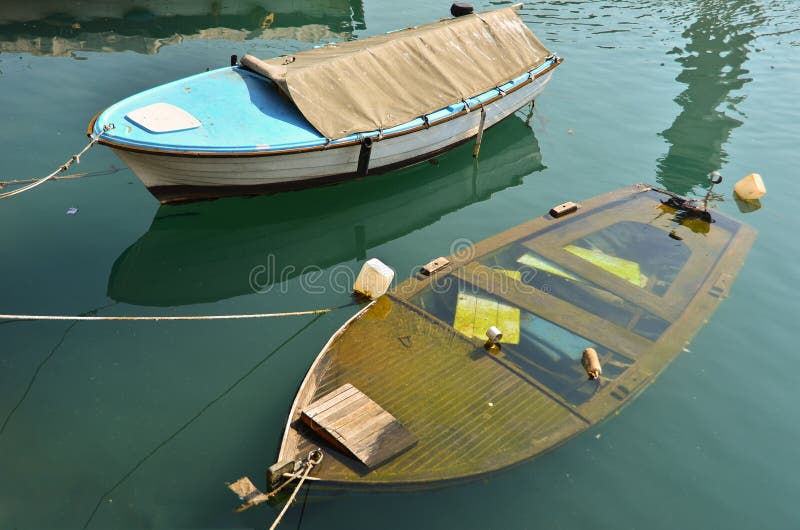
point(713, 67)
point(209, 251)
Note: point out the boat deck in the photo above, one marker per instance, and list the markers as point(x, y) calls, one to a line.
point(237, 110)
point(465, 407)
point(241, 112)
point(354, 423)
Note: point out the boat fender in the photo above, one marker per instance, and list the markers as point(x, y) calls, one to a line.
point(750, 188)
point(564, 209)
point(374, 279)
point(494, 334)
point(434, 266)
point(459, 9)
point(591, 363)
point(363, 157)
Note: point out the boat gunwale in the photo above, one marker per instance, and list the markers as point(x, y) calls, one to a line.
point(374, 135)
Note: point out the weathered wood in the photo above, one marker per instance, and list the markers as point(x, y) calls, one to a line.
point(340, 409)
point(330, 400)
point(347, 413)
point(358, 426)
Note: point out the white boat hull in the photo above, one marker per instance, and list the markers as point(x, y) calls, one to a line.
point(174, 177)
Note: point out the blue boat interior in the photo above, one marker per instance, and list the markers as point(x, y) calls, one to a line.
point(242, 112)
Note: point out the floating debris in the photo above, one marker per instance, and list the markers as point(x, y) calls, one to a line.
point(750, 188)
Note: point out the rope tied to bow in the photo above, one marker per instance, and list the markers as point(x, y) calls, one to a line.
point(74, 159)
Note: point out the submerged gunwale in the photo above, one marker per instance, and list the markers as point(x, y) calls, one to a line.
point(648, 363)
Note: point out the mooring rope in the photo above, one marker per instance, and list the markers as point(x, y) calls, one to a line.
point(165, 317)
point(314, 458)
point(74, 159)
point(17, 182)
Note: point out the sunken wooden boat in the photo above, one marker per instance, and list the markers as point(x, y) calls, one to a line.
point(331, 113)
point(410, 393)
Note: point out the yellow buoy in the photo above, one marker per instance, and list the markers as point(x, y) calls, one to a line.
point(750, 188)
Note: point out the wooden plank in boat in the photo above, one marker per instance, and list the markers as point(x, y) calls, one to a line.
point(355, 424)
point(337, 397)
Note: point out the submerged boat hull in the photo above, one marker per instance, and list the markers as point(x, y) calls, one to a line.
point(175, 177)
point(628, 276)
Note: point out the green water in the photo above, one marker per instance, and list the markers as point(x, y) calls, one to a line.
point(139, 425)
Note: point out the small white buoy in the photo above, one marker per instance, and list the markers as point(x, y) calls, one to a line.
point(750, 188)
point(374, 279)
point(494, 334)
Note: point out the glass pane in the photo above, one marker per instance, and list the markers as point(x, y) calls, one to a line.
point(544, 351)
point(640, 253)
point(533, 270)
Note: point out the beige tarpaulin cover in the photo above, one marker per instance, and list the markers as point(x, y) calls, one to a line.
point(383, 81)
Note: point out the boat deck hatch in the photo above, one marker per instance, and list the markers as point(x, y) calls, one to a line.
point(354, 423)
point(163, 118)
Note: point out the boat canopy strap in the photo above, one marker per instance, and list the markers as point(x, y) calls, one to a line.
point(386, 80)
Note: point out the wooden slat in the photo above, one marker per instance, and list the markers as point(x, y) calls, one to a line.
point(358, 426)
point(350, 415)
point(342, 393)
point(341, 409)
point(373, 419)
point(384, 444)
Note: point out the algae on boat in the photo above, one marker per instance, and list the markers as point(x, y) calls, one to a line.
point(626, 275)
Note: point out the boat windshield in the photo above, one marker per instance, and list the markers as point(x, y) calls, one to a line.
point(534, 271)
point(636, 252)
point(537, 349)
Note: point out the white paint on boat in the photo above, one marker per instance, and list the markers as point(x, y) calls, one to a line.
point(163, 117)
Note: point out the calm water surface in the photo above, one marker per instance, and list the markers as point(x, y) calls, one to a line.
point(139, 425)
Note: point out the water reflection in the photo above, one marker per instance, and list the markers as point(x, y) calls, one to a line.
point(54, 27)
point(203, 252)
point(717, 48)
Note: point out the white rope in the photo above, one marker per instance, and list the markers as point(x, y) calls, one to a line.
point(74, 159)
point(17, 182)
point(158, 318)
point(310, 463)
